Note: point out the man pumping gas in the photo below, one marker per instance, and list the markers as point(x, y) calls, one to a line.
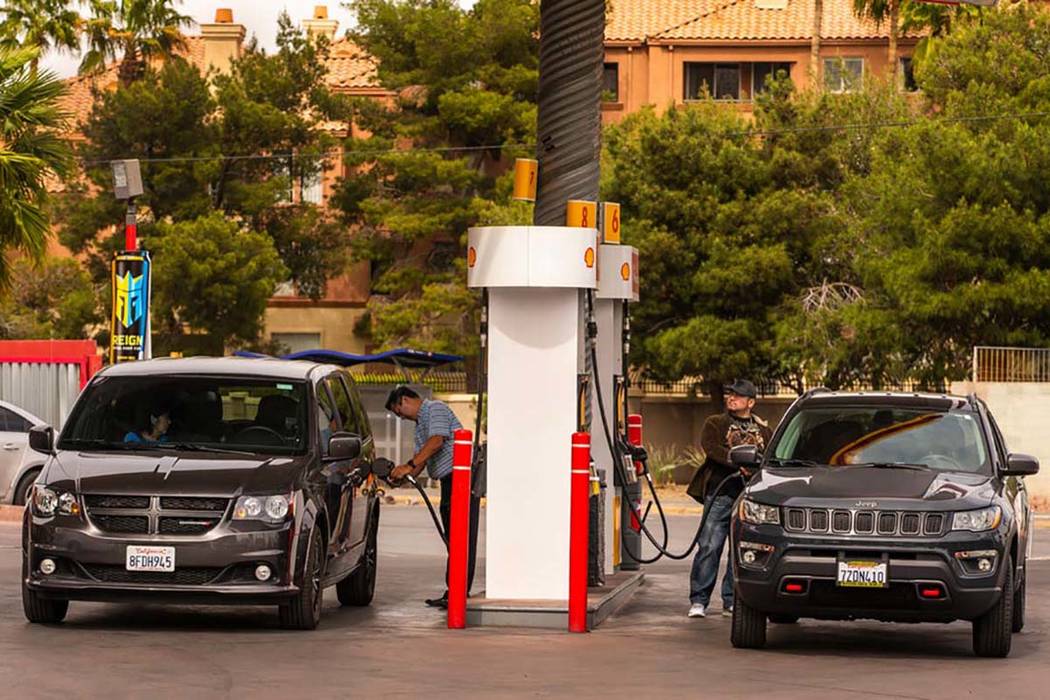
point(435, 425)
point(737, 426)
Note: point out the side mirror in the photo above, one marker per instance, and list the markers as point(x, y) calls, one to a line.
point(745, 456)
point(382, 467)
point(42, 438)
point(344, 446)
point(1018, 464)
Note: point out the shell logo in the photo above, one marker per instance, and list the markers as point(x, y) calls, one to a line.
point(472, 257)
point(625, 271)
point(588, 257)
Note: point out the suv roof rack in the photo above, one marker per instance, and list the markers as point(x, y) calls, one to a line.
point(971, 399)
point(815, 390)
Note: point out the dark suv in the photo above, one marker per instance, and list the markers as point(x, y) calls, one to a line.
point(205, 480)
point(895, 507)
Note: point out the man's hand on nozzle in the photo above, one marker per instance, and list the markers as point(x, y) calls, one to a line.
point(399, 473)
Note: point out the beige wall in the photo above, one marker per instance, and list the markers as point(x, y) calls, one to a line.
point(655, 74)
point(335, 324)
point(1022, 412)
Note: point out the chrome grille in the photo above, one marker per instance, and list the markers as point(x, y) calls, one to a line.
point(865, 522)
point(152, 515)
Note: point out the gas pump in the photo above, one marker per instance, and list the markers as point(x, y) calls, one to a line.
point(618, 286)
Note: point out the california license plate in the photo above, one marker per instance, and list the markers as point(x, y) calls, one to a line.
point(863, 574)
point(141, 558)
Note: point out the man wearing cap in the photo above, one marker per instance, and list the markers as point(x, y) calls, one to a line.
point(737, 426)
point(435, 425)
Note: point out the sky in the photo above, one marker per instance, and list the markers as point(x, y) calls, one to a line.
point(258, 16)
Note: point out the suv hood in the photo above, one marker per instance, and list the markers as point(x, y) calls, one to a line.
point(889, 488)
point(162, 472)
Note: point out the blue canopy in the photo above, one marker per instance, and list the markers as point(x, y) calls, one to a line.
point(402, 357)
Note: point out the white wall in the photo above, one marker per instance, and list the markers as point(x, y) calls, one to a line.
point(1022, 411)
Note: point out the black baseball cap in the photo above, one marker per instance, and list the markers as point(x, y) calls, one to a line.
point(741, 387)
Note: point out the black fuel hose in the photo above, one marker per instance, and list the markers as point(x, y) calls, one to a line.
point(618, 452)
point(381, 469)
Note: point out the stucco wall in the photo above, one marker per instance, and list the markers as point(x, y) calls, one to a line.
point(1022, 411)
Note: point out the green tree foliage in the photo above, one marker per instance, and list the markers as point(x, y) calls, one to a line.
point(44, 25)
point(52, 298)
point(136, 31)
point(31, 152)
point(465, 82)
point(199, 140)
point(214, 277)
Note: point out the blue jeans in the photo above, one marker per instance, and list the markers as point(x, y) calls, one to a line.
point(705, 564)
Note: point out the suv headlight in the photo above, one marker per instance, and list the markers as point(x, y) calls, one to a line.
point(46, 502)
point(272, 509)
point(758, 514)
point(978, 520)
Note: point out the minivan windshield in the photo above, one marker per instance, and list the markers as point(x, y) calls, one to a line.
point(851, 435)
point(243, 414)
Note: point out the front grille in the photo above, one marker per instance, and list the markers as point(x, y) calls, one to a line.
point(864, 522)
point(122, 524)
point(186, 526)
point(153, 515)
point(187, 576)
point(192, 503)
point(130, 502)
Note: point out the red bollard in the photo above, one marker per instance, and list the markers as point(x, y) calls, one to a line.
point(459, 529)
point(634, 436)
point(579, 525)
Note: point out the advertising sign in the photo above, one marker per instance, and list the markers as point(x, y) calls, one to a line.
point(131, 292)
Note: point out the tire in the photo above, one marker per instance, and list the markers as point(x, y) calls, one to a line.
point(303, 612)
point(21, 495)
point(1019, 602)
point(749, 626)
point(38, 609)
point(991, 631)
point(783, 619)
point(358, 588)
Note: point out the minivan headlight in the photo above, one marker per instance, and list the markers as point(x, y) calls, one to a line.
point(759, 514)
point(47, 502)
point(978, 520)
point(266, 508)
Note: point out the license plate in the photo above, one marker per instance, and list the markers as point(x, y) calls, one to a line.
point(150, 558)
point(863, 574)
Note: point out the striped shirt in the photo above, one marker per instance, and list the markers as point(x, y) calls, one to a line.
point(436, 418)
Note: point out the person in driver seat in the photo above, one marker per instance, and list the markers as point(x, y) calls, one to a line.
point(159, 424)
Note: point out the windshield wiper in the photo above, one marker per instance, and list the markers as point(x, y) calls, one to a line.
point(892, 465)
point(193, 447)
point(776, 462)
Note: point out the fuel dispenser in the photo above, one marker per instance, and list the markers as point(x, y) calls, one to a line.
point(618, 285)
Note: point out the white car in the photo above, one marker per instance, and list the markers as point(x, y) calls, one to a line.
point(19, 465)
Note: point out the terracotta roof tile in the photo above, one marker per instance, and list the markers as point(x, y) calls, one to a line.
point(350, 66)
point(738, 20)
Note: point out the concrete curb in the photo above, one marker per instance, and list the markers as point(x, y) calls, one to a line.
point(11, 514)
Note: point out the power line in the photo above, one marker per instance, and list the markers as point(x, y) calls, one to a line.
point(870, 126)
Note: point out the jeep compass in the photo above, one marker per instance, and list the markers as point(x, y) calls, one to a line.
point(893, 507)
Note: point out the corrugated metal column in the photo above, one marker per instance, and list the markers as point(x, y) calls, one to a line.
point(568, 126)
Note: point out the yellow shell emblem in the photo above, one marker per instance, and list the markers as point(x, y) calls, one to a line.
point(588, 257)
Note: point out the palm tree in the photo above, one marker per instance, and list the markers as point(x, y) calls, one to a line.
point(135, 30)
point(880, 11)
point(40, 24)
point(31, 152)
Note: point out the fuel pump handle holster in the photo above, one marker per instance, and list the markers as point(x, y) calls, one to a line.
point(479, 472)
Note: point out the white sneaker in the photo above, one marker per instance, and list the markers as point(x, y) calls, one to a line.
point(727, 611)
point(697, 610)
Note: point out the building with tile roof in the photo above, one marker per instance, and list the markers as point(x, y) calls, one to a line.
point(299, 322)
point(664, 52)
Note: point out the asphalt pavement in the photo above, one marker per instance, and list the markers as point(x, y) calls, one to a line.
point(399, 648)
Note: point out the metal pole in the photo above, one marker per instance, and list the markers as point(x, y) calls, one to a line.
point(568, 127)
